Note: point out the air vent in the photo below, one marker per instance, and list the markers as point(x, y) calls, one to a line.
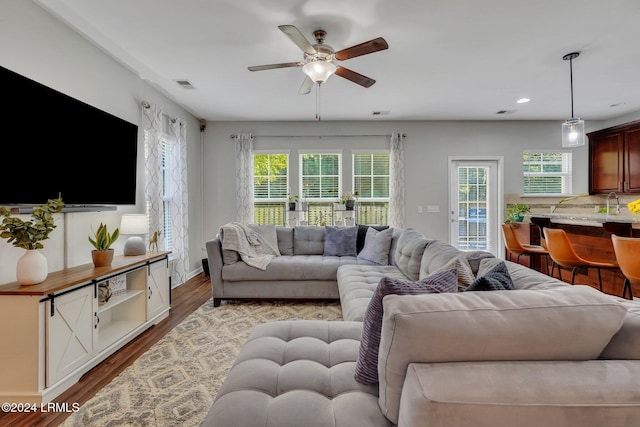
point(186, 84)
point(506, 111)
point(381, 113)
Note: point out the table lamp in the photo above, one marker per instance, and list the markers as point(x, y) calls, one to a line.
point(135, 224)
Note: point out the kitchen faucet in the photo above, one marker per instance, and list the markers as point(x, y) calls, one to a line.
point(617, 202)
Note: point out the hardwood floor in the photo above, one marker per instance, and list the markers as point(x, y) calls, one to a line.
point(185, 300)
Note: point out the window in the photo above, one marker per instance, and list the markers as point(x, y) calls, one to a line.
point(547, 173)
point(371, 182)
point(320, 177)
point(270, 183)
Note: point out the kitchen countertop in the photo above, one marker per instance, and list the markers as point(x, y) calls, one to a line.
point(590, 219)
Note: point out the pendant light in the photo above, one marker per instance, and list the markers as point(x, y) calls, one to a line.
point(573, 128)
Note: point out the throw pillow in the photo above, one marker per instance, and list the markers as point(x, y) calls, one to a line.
point(340, 241)
point(496, 279)
point(269, 234)
point(462, 267)
point(376, 246)
point(362, 234)
point(367, 363)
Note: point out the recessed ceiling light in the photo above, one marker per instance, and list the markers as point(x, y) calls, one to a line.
point(506, 111)
point(617, 104)
point(523, 100)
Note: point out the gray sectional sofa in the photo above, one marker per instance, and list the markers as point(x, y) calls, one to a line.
point(546, 353)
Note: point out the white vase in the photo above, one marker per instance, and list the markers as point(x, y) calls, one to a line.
point(32, 268)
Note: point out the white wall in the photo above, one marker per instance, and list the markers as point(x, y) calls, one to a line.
point(427, 147)
point(36, 45)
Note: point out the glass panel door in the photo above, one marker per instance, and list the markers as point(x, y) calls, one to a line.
point(474, 202)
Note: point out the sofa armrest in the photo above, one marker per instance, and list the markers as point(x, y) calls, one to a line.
point(568, 323)
point(214, 256)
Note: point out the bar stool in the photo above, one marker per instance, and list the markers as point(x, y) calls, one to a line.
point(516, 248)
point(627, 250)
point(564, 255)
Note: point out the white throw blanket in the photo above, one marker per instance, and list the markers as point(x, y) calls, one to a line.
point(252, 247)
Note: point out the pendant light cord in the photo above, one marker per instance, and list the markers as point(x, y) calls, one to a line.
point(571, 80)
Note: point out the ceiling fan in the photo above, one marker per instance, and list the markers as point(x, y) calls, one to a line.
point(320, 59)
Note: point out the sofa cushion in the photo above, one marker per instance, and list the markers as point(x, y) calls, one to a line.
point(285, 240)
point(496, 279)
point(362, 234)
point(340, 241)
point(268, 232)
point(367, 366)
point(522, 393)
point(308, 240)
point(358, 282)
point(567, 323)
point(411, 245)
point(297, 373)
point(376, 246)
point(295, 267)
point(625, 344)
point(397, 232)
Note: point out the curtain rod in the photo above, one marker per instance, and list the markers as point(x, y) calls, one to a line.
point(146, 106)
point(404, 135)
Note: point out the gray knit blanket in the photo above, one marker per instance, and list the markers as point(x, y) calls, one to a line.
point(252, 247)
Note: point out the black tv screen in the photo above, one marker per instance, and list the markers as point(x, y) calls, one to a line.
point(55, 145)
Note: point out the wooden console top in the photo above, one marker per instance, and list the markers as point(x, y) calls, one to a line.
point(69, 277)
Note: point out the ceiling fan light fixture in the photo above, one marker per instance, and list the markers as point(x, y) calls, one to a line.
point(572, 129)
point(319, 71)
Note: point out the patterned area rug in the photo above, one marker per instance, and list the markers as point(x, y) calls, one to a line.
point(175, 381)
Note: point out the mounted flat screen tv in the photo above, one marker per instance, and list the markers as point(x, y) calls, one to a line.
point(53, 144)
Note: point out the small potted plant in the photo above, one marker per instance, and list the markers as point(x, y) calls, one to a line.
point(349, 200)
point(102, 255)
point(516, 212)
point(32, 267)
point(292, 202)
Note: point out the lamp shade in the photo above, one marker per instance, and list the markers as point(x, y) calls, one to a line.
point(573, 132)
point(319, 71)
point(135, 224)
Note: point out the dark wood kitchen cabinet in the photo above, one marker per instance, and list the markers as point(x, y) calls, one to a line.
point(614, 159)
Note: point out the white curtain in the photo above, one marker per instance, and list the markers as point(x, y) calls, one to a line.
point(244, 177)
point(396, 181)
point(177, 199)
point(167, 207)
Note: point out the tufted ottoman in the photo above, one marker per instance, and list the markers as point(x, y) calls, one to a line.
point(297, 373)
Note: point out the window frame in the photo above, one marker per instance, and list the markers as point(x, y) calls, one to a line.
point(566, 176)
point(288, 185)
point(301, 154)
point(353, 174)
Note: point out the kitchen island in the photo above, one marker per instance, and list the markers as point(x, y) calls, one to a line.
point(590, 235)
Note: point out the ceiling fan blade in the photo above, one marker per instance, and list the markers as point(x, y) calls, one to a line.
point(355, 77)
point(306, 86)
point(274, 66)
point(365, 48)
point(298, 38)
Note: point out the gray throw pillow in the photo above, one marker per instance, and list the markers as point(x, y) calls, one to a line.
point(362, 234)
point(497, 279)
point(340, 241)
point(376, 246)
point(367, 363)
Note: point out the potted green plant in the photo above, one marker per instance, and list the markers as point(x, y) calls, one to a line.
point(102, 255)
point(516, 212)
point(28, 234)
point(349, 200)
point(292, 201)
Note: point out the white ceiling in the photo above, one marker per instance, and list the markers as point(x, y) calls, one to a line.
point(447, 59)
